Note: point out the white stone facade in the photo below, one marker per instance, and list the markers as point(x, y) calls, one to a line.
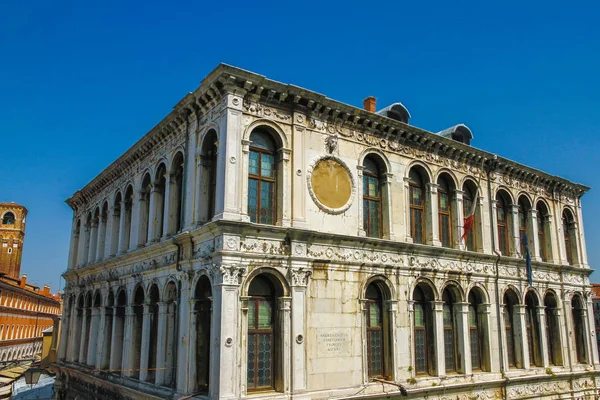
point(173, 290)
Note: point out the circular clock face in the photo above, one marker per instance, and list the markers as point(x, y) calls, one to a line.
point(331, 183)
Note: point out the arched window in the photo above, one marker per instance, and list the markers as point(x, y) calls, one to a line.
point(371, 198)
point(569, 236)
point(533, 330)
point(450, 342)
point(502, 216)
point(423, 334)
point(578, 315)
point(375, 332)
point(542, 220)
point(262, 348)
point(8, 219)
point(115, 225)
point(524, 210)
point(417, 206)
point(144, 223)
point(445, 211)
point(262, 178)
point(159, 188)
point(552, 330)
point(126, 239)
point(511, 328)
point(176, 195)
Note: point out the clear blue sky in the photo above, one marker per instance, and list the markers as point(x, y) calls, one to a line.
point(80, 82)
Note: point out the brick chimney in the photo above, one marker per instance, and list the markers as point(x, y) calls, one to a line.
point(370, 103)
point(23, 280)
point(46, 290)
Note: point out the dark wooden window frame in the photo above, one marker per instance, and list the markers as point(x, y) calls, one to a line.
point(366, 175)
point(259, 178)
point(441, 214)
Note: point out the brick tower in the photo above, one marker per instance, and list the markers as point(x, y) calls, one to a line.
point(12, 235)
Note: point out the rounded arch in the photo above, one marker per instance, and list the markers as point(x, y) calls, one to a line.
point(139, 294)
point(448, 175)
point(567, 212)
point(121, 297)
point(151, 283)
point(176, 160)
point(117, 198)
point(471, 181)
point(506, 194)
point(421, 168)
point(378, 156)
point(282, 286)
point(535, 293)
point(146, 180)
point(199, 275)
point(386, 287)
point(456, 289)
point(426, 283)
point(273, 128)
point(525, 198)
point(81, 300)
point(511, 293)
point(480, 291)
point(160, 171)
point(97, 298)
point(205, 131)
point(202, 287)
point(170, 290)
point(551, 298)
point(542, 203)
point(577, 301)
point(110, 298)
point(88, 299)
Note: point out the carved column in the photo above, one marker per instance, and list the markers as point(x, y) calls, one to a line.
point(161, 343)
point(93, 336)
point(198, 198)
point(551, 241)
point(168, 220)
point(543, 339)
point(145, 346)
point(74, 335)
point(224, 382)
point(461, 311)
point(406, 211)
point(183, 345)
point(128, 341)
point(482, 238)
point(520, 340)
point(84, 246)
point(577, 245)
point(458, 221)
point(591, 330)
point(101, 241)
point(581, 236)
point(432, 223)
point(515, 251)
point(142, 222)
point(359, 189)
point(244, 180)
point(115, 232)
point(105, 344)
point(494, 219)
point(123, 234)
point(93, 242)
point(286, 202)
point(155, 215)
point(84, 337)
point(74, 245)
point(65, 329)
point(489, 340)
point(386, 206)
point(299, 278)
point(116, 348)
point(534, 239)
point(438, 340)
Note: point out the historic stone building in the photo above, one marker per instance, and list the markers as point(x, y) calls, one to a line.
point(264, 241)
point(25, 310)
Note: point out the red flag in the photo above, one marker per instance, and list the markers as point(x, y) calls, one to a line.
point(470, 218)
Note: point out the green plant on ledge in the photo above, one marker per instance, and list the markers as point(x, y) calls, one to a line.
point(433, 384)
point(412, 381)
point(550, 372)
point(409, 368)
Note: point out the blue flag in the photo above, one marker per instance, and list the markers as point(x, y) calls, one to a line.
point(528, 267)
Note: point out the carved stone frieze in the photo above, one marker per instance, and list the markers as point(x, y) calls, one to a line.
point(262, 246)
point(537, 389)
point(353, 255)
point(458, 266)
point(204, 249)
point(263, 111)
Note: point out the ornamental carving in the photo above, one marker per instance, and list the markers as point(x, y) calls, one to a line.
point(204, 249)
point(274, 247)
point(570, 278)
point(458, 266)
point(260, 110)
point(227, 274)
point(299, 276)
point(538, 389)
point(353, 255)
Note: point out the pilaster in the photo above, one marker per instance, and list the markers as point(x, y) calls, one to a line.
point(432, 225)
point(438, 338)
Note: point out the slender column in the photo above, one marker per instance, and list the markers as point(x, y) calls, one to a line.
point(514, 227)
point(489, 339)
point(575, 237)
point(161, 343)
point(359, 189)
point(93, 336)
point(458, 221)
point(520, 341)
point(534, 240)
point(116, 348)
point(461, 311)
point(123, 234)
point(84, 336)
point(543, 339)
point(74, 245)
point(192, 375)
point(198, 190)
point(83, 246)
point(438, 341)
point(589, 337)
point(406, 211)
point(127, 342)
point(300, 278)
point(494, 219)
point(93, 242)
point(110, 232)
point(145, 347)
point(183, 349)
point(581, 236)
point(115, 233)
point(169, 213)
point(564, 321)
point(386, 204)
point(432, 225)
point(284, 344)
point(592, 331)
point(483, 240)
point(101, 240)
point(74, 335)
point(154, 215)
point(139, 224)
point(103, 360)
point(65, 330)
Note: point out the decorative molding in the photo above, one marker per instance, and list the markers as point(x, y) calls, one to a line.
point(322, 206)
point(299, 276)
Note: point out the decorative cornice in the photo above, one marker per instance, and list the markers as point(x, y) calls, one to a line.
point(228, 79)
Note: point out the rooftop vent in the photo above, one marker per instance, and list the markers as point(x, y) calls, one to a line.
point(460, 133)
point(396, 111)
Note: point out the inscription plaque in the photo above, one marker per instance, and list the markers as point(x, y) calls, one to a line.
point(333, 342)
